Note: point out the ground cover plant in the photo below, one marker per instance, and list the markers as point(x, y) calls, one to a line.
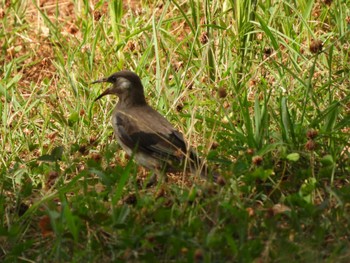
point(260, 88)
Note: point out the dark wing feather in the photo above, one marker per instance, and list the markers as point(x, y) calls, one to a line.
point(153, 136)
point(145, 130)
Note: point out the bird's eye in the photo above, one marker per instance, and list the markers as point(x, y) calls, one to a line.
point(112, 78)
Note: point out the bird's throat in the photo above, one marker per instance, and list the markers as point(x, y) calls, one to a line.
point(128, 100)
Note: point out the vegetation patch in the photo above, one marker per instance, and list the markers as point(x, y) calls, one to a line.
point(259, 88)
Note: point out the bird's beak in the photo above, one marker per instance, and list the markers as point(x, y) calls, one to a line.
point(106, 92)
point(100, 81)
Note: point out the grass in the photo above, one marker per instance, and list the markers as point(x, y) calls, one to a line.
point(260, 88)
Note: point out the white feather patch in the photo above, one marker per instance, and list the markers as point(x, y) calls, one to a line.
point(123, 83)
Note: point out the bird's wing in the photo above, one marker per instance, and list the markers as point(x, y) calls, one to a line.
point(150, 133)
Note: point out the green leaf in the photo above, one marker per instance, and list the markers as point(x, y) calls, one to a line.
point(262, 174)
point(56, 155)
point(293, 157)
point(57, 152)
point(73, 118)
point(46, 158)
point(192, 194)
point(327, 160)
point(307, 188)
point(59, 117)
point(70, 221)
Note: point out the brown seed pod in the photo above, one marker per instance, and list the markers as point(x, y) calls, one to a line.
point(179, 107)
point(250, 151)
point(222, 92)
point(267, 52)
point(316, 46)
point(221, 181)
point(204, 38)
point(198, 255)
point(311, 134)
point(214, 145)
point(257, 160)
point(97, 15)
point(310, 145)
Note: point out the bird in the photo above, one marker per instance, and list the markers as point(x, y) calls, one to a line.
point(144, 133)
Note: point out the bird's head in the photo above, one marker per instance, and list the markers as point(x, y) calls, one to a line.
point(126, 85)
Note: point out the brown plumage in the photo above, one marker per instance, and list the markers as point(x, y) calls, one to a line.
point(142, 131)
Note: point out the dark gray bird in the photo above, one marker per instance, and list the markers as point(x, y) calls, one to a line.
point(143, 132)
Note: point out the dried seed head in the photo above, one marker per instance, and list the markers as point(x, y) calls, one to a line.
point(130, 199)
point(83, 150)
point(179, 107)
point(198, 255)
point(252, 83)
point(311, 134)
point(257, 160)
point(92, 139)
point(97, 15)
point(131, 46)
point(73, 30)
point(2, 13)
point(259, 36)
point(222, 93)
point(184, 250)
point(221, 180)
point(45, 226)
point(250, 211)
point(96, 157)
point(177, 65)
point(250, 151)
point(226, 104)
point(310, 145)
point(267, 52)
point(214, 145)
point(52, 135)
point(204, 38)
point(168, 203)
point(316, 46)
